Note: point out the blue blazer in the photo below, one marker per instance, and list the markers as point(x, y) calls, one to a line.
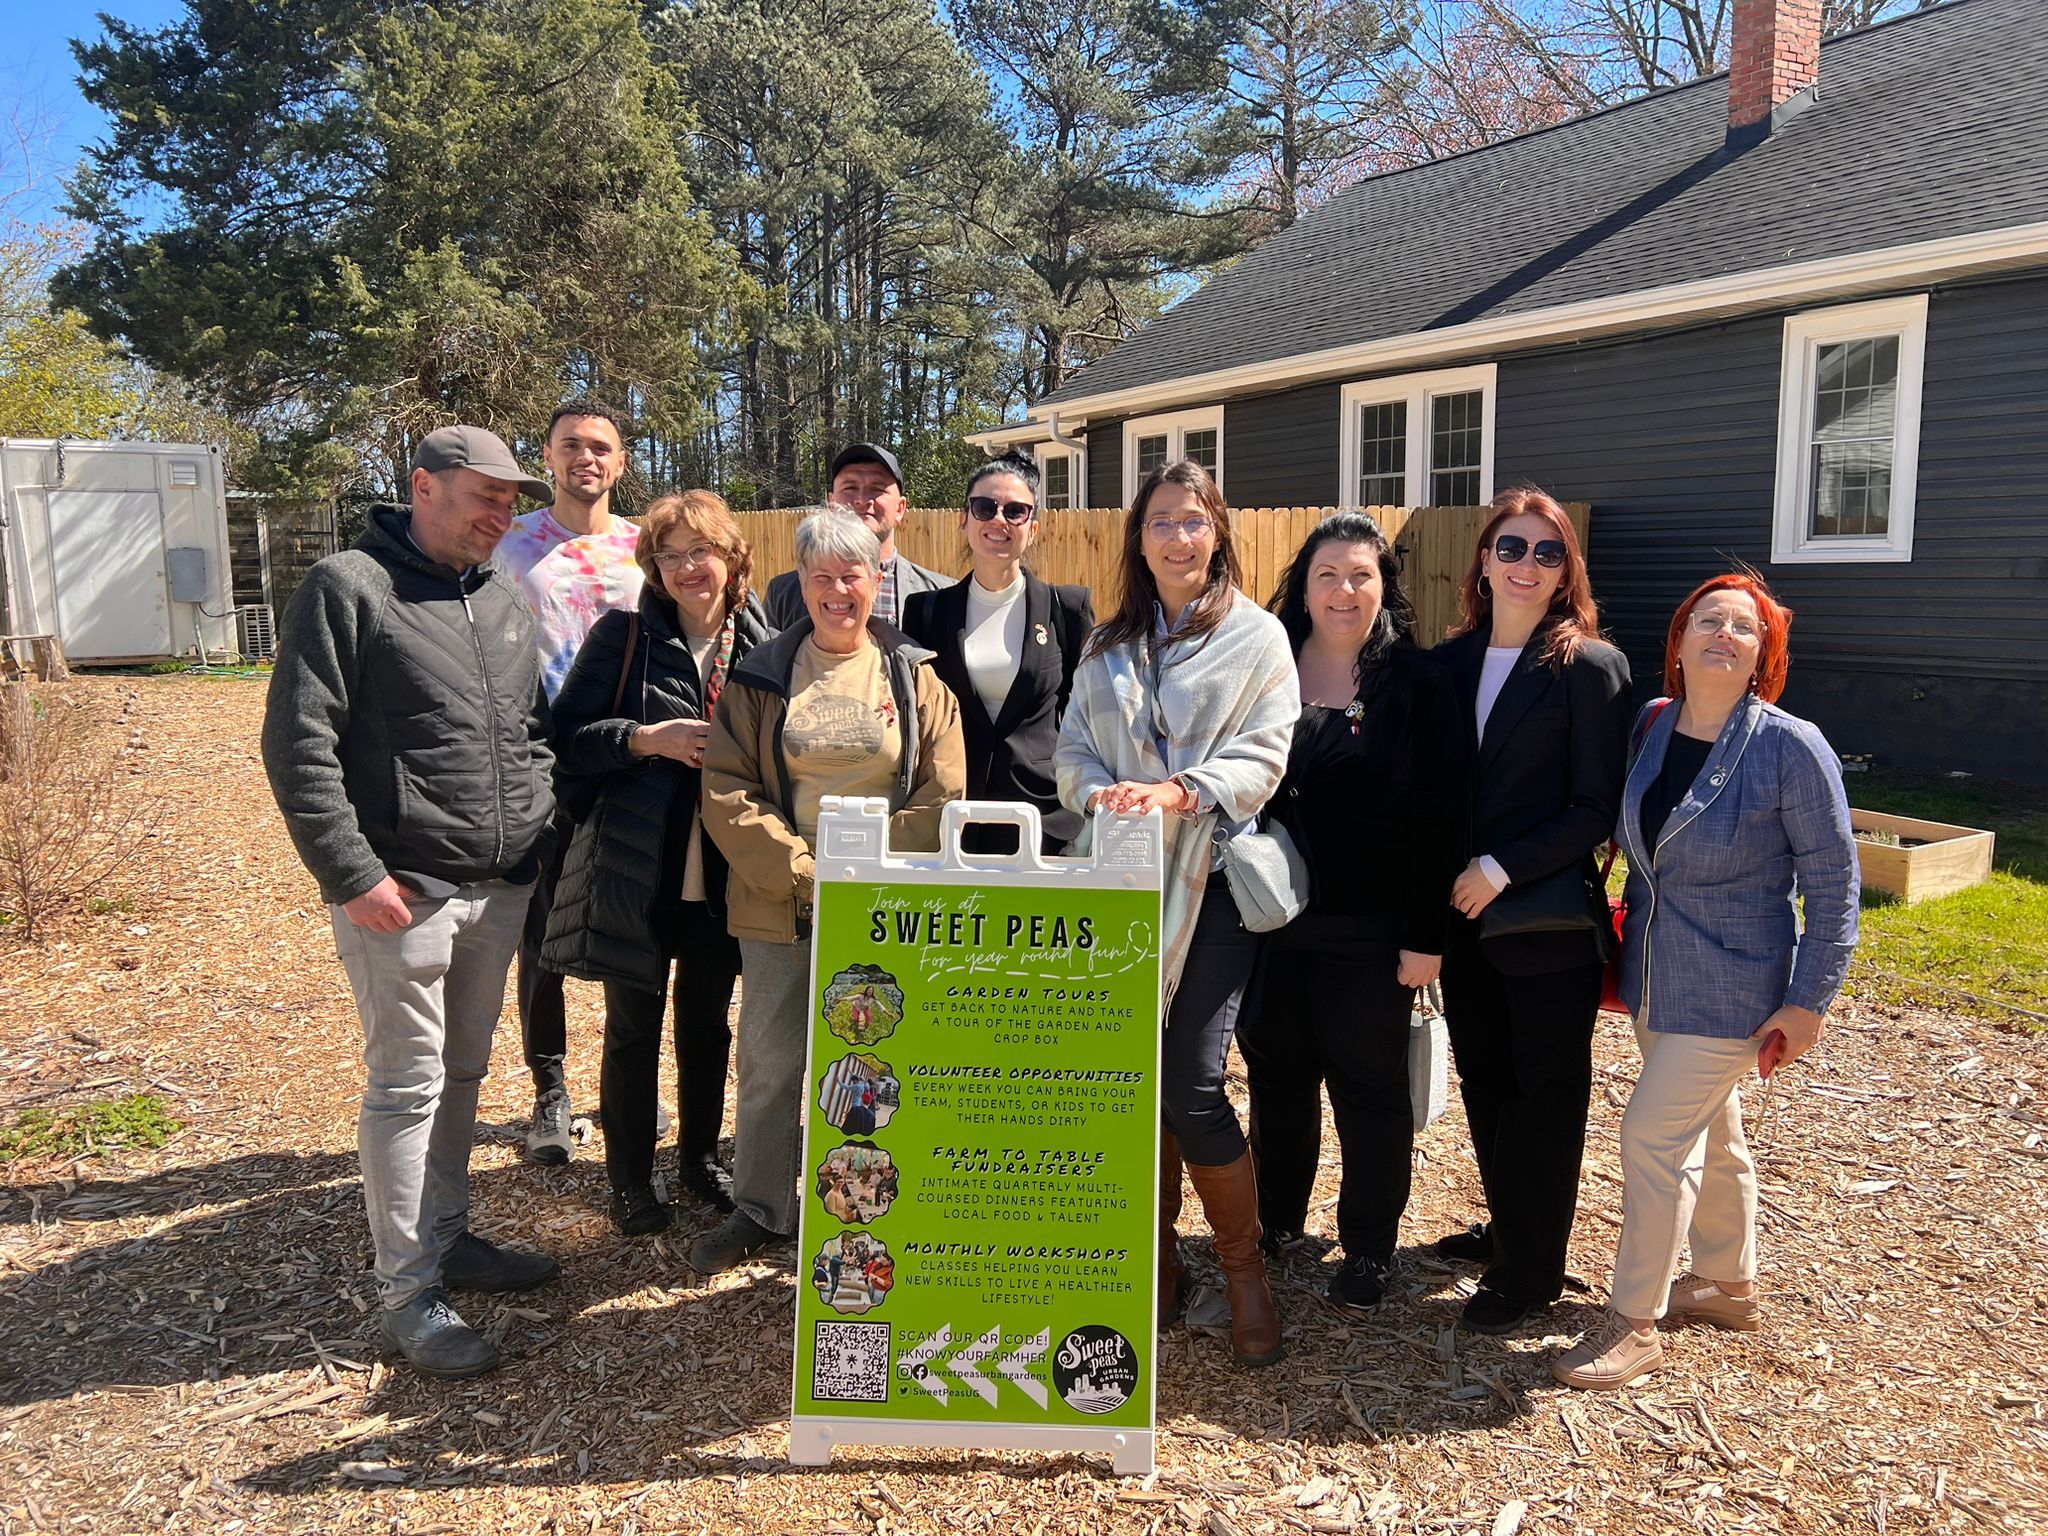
point(1712, 943)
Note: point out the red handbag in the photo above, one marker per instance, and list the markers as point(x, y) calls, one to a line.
point(1617, 909)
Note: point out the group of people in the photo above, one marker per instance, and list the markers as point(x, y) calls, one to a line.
point(598, 746)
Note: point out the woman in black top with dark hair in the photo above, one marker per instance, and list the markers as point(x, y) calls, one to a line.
point(1373, 795)
point(1007, 646)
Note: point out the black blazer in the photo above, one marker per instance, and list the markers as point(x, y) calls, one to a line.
point(1376, 804)
point(624, 862)
point(1010, 757)
point(1547, 781)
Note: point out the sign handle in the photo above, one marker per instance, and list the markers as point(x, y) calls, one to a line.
point(959, 815)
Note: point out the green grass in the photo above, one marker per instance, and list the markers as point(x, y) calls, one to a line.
point(1982, 951)
point(140, 1120)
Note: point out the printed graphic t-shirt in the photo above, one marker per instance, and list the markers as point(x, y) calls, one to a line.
point(570, 580)
point(840, 734)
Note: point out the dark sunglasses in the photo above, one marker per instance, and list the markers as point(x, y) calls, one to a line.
point(985, 508)
point(1509, 548)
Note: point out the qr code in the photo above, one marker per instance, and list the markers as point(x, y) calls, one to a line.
point(850, 1363)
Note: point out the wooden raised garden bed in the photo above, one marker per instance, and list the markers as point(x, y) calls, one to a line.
point(1929, 858)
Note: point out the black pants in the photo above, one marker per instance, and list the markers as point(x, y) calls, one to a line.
point(543, 1015)
point(1331, 1010)
point(1524, 1050)
point(707, 962)
point(1199, 1026)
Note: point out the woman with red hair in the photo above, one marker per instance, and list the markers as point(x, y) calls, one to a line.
point(1547, 702)
point(1733, 816)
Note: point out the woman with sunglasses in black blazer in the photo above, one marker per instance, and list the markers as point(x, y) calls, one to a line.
point(1547, 702)
point(1007, 645)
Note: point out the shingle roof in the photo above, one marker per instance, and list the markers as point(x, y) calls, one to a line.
point(1932, 125)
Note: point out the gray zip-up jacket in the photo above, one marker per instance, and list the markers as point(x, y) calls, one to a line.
point(406, 731)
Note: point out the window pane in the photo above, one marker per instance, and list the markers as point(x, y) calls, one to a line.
point(1201, 447)
point(1151, 454)
point(1383, 454)
point(1058, 480)
point(1454, 448)
point(1855, 416)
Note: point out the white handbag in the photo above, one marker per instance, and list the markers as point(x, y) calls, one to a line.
point(1429, 1056)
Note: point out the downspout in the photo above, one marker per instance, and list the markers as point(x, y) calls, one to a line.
point(1079, 451)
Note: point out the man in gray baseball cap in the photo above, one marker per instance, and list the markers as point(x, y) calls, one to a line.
point(867, 479)
point(406, 740)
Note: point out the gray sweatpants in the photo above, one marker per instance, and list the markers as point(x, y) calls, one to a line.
point(429, 997)
point(775, 982)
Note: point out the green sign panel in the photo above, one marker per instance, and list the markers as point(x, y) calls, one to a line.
point(980, 1162)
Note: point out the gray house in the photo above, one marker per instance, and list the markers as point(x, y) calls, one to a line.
point(1796, 321)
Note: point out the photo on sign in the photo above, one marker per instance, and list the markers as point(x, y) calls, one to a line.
point(853, 1272)
point(863, 1004)
point(1095, 1369)
point(857, 1181)
point(858, 1094)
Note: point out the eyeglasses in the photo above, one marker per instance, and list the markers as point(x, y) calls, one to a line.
point(1714, 623)
point(1164, 528)
point(1509, 548)
point(695, 555)
point(985, 508)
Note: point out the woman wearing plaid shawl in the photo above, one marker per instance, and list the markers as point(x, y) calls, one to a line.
point(1185, 703)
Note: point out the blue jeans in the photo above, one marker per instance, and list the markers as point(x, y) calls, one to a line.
point(429, 997)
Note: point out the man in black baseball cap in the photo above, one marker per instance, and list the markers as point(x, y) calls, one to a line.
point(406, 740)
point(866, 478)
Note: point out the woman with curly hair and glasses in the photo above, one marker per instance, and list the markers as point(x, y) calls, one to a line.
point(1546, 704)
point(1734, 820)
point(641, 884)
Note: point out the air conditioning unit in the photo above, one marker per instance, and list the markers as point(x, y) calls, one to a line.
point(255, 632)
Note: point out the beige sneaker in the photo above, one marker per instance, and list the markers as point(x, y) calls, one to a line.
point(1612, 1355)
point(1705, 1302)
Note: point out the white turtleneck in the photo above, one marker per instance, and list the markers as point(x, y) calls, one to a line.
point(993, 645)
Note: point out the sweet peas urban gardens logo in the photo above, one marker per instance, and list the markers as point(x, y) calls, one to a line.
point(1096, 1370)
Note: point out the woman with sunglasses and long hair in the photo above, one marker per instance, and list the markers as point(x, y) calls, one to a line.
point(1547, 706)
point(1734, 820)
point(1007, 645)
point(1184, 703)
point(1374, 797)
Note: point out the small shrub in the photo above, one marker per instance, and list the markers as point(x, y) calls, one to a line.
point(108, 906)
point(68, 818)
point(141, 1120)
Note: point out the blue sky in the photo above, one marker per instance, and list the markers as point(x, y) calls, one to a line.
point(39, 84)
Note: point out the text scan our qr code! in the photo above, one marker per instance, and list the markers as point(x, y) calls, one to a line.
point(850, 1363)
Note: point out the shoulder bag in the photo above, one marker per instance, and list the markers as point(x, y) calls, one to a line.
point(1267, 875)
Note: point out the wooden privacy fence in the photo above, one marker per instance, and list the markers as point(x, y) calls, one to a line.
point(1083, 547)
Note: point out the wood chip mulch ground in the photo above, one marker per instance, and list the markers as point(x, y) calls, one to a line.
point(186, 1335)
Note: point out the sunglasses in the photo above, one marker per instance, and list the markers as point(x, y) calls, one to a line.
point(984, 508)
point(1509, 549)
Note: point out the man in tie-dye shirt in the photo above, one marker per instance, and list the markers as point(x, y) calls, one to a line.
point(574, 561)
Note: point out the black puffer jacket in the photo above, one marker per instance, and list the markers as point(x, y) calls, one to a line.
point(406, 731)
point(602, 926)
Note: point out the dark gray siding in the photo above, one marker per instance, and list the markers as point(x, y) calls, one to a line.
point(1281, 450)
point(1106, 465)
point(1942, 662)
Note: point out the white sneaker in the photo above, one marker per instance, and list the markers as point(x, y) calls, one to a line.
point(663, 1122)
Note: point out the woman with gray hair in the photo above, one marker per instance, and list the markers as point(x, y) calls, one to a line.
point(840, 703)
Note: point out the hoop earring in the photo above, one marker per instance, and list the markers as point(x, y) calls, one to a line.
point(1485, 587)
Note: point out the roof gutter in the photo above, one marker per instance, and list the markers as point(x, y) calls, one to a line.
point(1704, 298)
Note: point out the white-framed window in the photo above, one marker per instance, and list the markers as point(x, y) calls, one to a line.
point(1150, 441)
point(1849, 432)
point(1418, 440)
point(1059, 473)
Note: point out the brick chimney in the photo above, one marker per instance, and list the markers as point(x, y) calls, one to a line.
point(1773, 65)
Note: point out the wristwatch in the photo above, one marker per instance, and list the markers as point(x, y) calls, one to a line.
point(1191, 806)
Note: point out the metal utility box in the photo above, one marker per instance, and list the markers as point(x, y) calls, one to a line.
point(120, 550)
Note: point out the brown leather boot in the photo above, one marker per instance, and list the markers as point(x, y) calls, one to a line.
point(1230, 1199)
point(1173, 1274)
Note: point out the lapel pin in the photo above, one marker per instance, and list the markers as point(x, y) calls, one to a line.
point(1038, 633)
